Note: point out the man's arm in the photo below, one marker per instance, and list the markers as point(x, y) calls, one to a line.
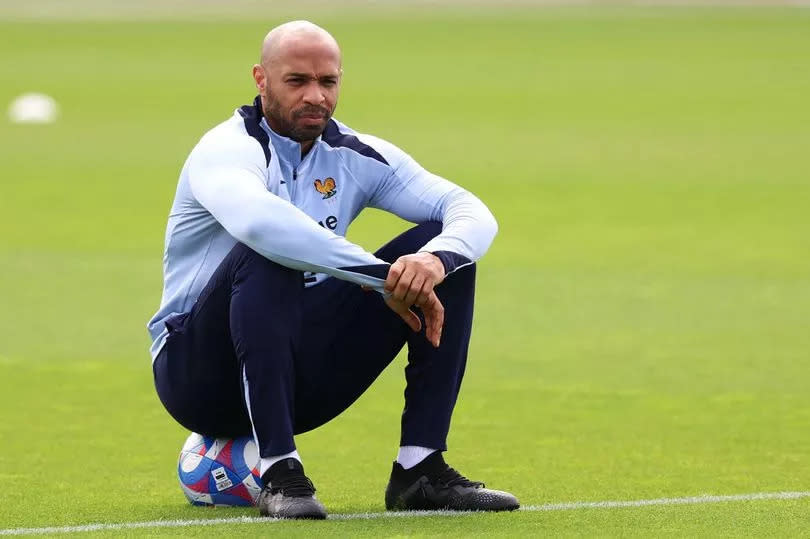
point(227, 177)
point(413, 193)
point(468, 228)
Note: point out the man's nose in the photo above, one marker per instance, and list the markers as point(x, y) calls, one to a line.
point(313, 94)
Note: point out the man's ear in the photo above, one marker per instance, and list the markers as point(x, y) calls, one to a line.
point(259, 77)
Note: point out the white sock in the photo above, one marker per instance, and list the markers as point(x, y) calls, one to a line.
point(269, 461)
point(411, 455)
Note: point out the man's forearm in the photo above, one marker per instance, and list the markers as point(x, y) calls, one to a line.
point(281, 232)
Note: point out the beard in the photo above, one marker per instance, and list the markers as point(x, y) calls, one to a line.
point(289, 124)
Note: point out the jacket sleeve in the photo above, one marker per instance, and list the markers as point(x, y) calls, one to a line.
point(413, 193)
point(227, 177)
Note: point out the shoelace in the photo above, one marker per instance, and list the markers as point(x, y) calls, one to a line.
point(297, 486)
point(452, 478)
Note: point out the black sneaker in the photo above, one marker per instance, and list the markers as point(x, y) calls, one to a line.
point(288, 493)
point(432, 484)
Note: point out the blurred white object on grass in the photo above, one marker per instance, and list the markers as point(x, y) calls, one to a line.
point(33, 108)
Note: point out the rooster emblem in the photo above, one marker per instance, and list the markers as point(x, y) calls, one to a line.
point(327, 187)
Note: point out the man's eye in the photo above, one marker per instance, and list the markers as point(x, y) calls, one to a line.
point(296, 82)
point(329, 82)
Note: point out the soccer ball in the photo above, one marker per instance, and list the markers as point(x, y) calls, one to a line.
point(33, 109)
point(220, 471)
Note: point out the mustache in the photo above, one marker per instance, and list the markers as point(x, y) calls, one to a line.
point(312, 110)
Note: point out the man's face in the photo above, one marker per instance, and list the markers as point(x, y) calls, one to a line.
point(300, 86)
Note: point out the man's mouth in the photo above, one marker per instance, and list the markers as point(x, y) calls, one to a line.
point(312, 114)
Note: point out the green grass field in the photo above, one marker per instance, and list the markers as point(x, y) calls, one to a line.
point(642, 319)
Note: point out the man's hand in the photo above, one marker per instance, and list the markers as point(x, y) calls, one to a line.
point(412, 278)
point(433, 310)
point(410, 282)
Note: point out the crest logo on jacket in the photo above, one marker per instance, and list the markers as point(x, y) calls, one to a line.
point(327, 187)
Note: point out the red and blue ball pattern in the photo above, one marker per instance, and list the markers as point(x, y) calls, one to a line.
point(220, 471)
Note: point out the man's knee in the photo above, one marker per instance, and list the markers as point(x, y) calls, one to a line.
point(462, 279)
point(409, 241)
point(457, 291)
point(468, 272)
point(430, 230)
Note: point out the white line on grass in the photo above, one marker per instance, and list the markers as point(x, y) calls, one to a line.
point(706, 498)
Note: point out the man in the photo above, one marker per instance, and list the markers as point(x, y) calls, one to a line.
point(266, 323)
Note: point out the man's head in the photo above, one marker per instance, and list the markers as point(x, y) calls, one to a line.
point(298, 79)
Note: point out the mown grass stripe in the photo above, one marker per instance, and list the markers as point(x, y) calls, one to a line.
point(703, 499)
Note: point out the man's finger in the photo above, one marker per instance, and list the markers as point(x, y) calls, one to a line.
point(404, 312)
point(434, 319)
point(411, 319)
point(394, 272)
point(414, 290)
point(403, 285)
point(437, 329)
point(424, 292)
point(438, 324)
point(433, 332)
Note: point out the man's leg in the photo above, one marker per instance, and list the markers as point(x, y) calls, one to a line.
point(351, 336)
point(247, 322)
point(228, 367)
point(434, 375)
point(244, 324)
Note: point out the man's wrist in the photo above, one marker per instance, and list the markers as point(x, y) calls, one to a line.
point(451, 261)
point(437, 260)
point(439, 264)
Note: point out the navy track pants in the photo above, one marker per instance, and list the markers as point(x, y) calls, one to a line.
point(301, 356)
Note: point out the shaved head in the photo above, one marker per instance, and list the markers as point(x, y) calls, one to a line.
point(298, 77)
point(293, 34)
